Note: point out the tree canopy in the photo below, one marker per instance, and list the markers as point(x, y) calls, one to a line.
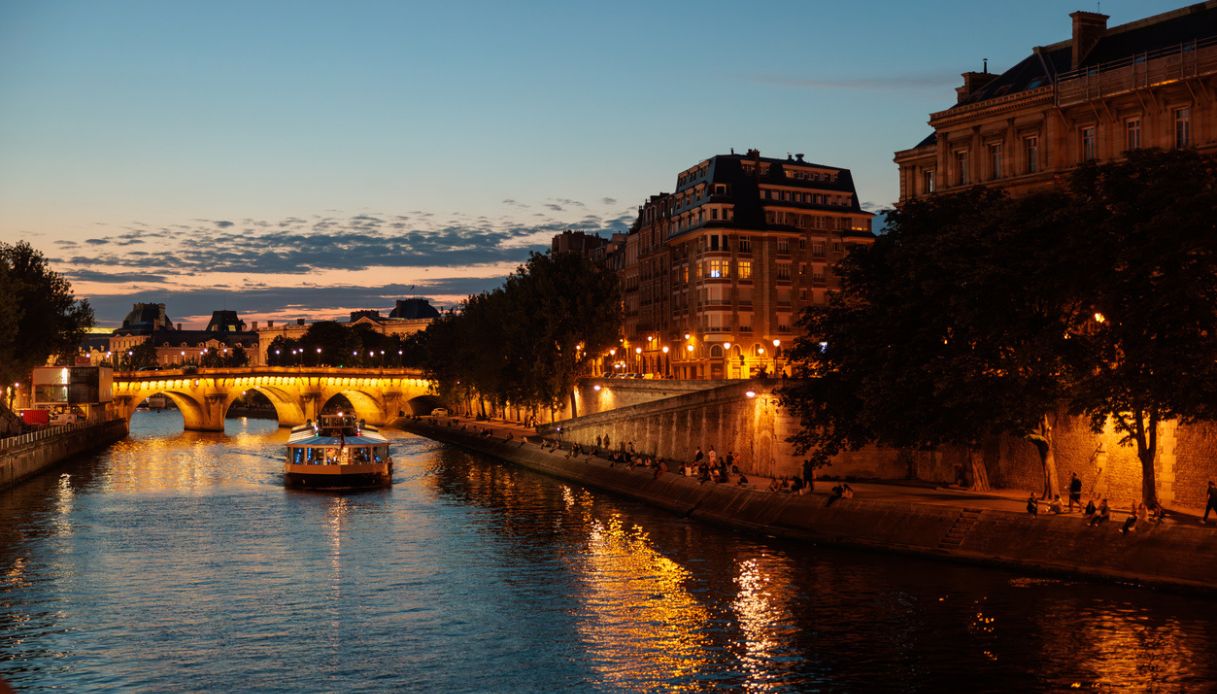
point(40, 317)
point(527, 341)
point(978, 314)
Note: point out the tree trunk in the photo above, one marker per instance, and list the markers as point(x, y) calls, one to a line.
point(574, 409)
point(1047, 459)
point(1147, 449)
point(980, 476)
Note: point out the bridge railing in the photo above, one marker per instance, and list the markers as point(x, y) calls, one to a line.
point(158, 374)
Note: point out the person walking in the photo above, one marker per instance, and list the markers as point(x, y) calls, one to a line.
point(1212, 503)
point(1075, 491)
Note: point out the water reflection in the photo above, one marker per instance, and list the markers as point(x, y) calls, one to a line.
point(178, 560)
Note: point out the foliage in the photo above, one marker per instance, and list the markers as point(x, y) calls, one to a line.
point(39, 315)
point(1153, 260)
point(328, 343)
point(526, 342)
point(977, 314)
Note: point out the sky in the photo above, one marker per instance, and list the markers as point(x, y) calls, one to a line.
point(304, 159)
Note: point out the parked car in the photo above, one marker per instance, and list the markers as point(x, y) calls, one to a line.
point(439, 412)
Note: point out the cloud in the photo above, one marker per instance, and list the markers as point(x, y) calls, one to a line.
point(97, 242)
point(920, 80)
point(609, 201)
point(114, 277)
point(223, 223)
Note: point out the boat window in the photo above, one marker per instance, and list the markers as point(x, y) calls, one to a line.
point(298, 456)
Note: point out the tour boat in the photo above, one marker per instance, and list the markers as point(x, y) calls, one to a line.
point(337, 452)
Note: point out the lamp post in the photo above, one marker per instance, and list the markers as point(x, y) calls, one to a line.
point(667, 363)
point(776, 344)
point(638, 359)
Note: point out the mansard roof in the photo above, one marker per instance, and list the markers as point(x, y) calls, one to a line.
point(1125, 42)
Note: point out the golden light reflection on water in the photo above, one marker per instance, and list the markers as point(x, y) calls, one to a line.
point(1115, 648)
point(640, 625)
point(762, 610)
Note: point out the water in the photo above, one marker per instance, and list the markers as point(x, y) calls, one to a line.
point(177, 562)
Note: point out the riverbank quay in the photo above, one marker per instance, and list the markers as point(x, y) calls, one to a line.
point(28, 454)
point(992, 529)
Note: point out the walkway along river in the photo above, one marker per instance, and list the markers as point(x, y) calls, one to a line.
point(177, 561)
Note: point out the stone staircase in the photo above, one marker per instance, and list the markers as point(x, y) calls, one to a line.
point(954, 536)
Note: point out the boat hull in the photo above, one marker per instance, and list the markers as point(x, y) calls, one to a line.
point(365, 477)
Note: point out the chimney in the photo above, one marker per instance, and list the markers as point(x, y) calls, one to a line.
point(254, 326)
point(179, 326)
point(798, 157)
point(1088, 28)
point(972, 81)
point(299, 321)
point(270, 324)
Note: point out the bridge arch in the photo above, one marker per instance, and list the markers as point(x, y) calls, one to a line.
point(287, 407)
point(367, 406)
point(422, 405)
point(194, 412)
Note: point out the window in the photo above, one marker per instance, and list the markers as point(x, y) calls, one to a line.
point(995, 170)
point(783, 245)
point(1183, 127)
point(817, 249)
point(714, 242)
point(1132, 134)
point(1090, 144)
point(817, 277)
point(927, 181)
point(717, 268)
point(961, 168)
point(745, 244)
point(783, 271)
point(802, 241)
point(745, 269)
point(1031, 154)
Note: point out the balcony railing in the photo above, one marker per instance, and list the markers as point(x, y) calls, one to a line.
point(1163, 66)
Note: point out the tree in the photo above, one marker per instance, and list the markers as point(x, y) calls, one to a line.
point(39, 315)
point(926, 344)
point(978, 315)
point(1148, 319)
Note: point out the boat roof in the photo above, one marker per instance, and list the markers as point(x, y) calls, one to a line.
point(308, 438)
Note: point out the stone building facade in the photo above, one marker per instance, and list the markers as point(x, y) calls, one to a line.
point(714, 275)
point(1094, 97)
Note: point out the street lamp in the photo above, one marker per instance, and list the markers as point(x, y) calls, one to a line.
point(638, 357)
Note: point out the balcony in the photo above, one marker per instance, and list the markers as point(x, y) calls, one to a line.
point(1139, 72)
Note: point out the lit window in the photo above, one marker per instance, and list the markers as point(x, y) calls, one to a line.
point(745, 269)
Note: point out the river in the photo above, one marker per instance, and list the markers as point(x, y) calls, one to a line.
point(176, 561)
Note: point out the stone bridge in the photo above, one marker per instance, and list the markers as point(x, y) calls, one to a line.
point(297, 393)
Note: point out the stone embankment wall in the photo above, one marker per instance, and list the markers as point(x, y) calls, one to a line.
point(1169, 554)
point(672, 418)
point(28, 454)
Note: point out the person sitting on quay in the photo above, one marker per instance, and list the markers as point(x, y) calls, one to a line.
point(1157, 514)
point(743, 480)
point(796, 485)
point(1089, 511)
point(1033, 507)
point(1130, 523)
point(1055, 506)
point(1142, 513)
point(775, 485)
point(1102, 515)
point(840, 491)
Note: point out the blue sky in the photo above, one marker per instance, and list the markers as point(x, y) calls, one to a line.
point(294, 158)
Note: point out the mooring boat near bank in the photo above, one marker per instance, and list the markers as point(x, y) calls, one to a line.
point(337, 452)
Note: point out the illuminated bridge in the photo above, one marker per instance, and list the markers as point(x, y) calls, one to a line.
point(297, 393)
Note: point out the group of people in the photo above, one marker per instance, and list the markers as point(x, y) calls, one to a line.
point(1095, 515)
